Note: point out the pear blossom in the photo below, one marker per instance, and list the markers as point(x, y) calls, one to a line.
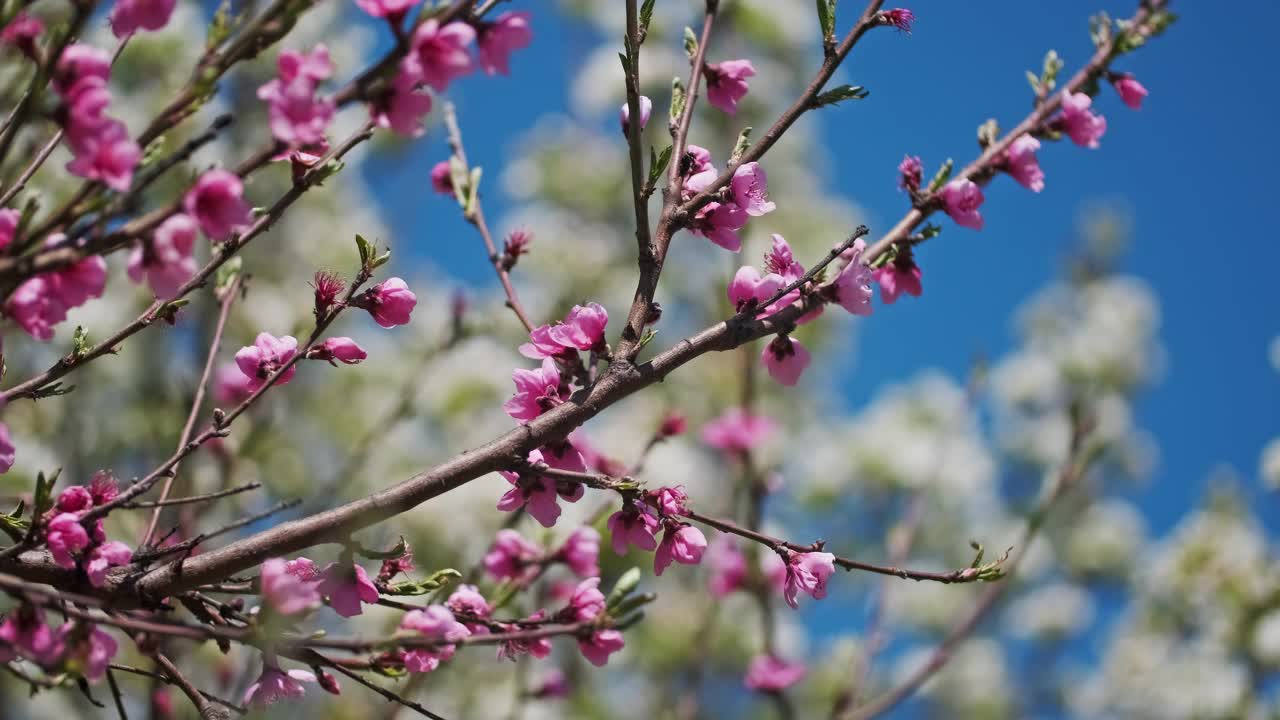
point(769, 673)
point(632, 526)
point(65, 537)
point(275, 684)
point(785, 359)
point(1079, 122)
point(166, 263)
point(1130, 90)
point(347, 586)
point(737, 431)
point(750, 188)
point(600, 645)
point(624, 115)
point(390, 302)
point(807, 573)
point(217, 203)
point(130, 16)
point(682, 543)
point(287, 590)
point(537, 391)
point(727, 83)
point(265, 356)
point(498, 39)
point(961, 199)
point(1021, 163)
point(438, 55)
point(104, 557)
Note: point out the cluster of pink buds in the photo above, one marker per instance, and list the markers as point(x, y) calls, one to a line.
point(130, 16)
point(296, 116)
point(22, 32)
point(75, 646)
point(747, 196)
point(41, 302)
point(75, 545)
point(101, 145)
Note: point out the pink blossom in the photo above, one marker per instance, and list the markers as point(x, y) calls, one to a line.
point(673, 423)
point(436, 622)
point(581, 552)
point(275, 684)
point(511, 557)
point(347, 586)
point(230, 386)
point(342, 349)
point(583, 328)
point(553, 685)
point(1079, 122)
point(727, 83)
point(79, 61)
point(422, 660)
point(438, 55)
point(682, 543)
point(632, 526)
point(24, 630)
point(541, 344)
point(587, 602)
point(808, 573)
point(1021, 163)
point(329, 683)
point(265, 356)
point(671, 500)
point(217, 203)
point(104, 557)
point(900, 18)
point(394, 9)
point(9, 219)
point(898, 277)
point(727, 566)
point(750, 189)
point(8, 453)
point(22, 32)
point(537, 647)
point(720, 223)
point(852, 287)
point(785, 359)
point(129, 16)
point(769, 673)
point(537, 391)
point(540, 495)
point(295, 115)
point(103, 487)
point(602, 643)
point(109, 156)
point(81, 282)
point(1131, 91)
point(65, 536)
point(390, 302)
point(624, 115)
point(781, 260)
point(749, 285)
point(910, 173)
point(402, 107)
point(288, 592)
point(74, 499)
point(328, 286)
point(167, 262)
point(396, 565)
point(441, 179)
point(468, 600)
point(498, 39)
point(737, 431)
point(88, 654)
point(961, 199)
point(36, 306)
point(84, 120)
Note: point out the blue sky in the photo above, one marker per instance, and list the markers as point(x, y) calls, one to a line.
point(1192, 168)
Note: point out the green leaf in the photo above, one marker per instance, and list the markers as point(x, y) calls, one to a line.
point(621, 589)
point(630, 621)
point(827, 19)
point(658, 165)
point(1100, 29)
point(942, 176)
point(646, 14)
point(433, 582)
point(840, 94)
point(220, 27)
point(366, 250)
point(633, 602)
point(1034, 81)
point(458, 178)
point(690, 43)
point(677, 100)
point(473, 192)
point(1052, 66)
point(79, 343)
point(740, 145)
point(988, 132)
point(394, 552)
point(226, 275)
point(44, 492)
